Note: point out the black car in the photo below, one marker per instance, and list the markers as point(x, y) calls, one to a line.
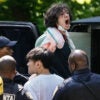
point(26, 34)
point(85, 34)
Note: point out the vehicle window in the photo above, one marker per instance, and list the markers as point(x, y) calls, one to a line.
point(80, 28)
point(26, 40)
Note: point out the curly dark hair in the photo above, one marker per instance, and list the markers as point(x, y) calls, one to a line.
point(52, 14)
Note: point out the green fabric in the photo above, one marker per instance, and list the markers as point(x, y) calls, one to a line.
point(52, 35)
point(42, 37)
point(40, 40)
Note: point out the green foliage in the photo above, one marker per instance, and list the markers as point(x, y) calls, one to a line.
point(32, 10)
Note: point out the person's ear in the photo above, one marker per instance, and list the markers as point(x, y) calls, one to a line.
point(15, 72)
point(38, 64)
point(39, 67)
point(72, 67)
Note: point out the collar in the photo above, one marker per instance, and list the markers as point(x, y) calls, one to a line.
point(83, 74)
point(82, 71)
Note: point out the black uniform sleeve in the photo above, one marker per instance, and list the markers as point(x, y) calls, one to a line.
point(23, 95)
point(58, 95)
point(27, 96)
point(20, 79)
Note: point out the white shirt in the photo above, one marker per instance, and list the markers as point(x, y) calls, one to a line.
point(42, 86)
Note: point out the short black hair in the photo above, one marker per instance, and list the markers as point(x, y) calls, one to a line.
point(79, 57)
point(42, 54)
point(52, 14)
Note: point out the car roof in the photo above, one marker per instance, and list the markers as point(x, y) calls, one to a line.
point(21, 24)
point(90, 20)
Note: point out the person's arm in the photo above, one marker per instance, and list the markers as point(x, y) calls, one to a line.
point(27, 96)
point(20, 79)
point(33, 89)
point(58, 95)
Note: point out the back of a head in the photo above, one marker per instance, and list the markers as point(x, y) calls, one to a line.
point(7, 64)
point(79, 58)
point(42, 54)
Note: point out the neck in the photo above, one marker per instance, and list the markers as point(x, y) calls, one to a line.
point(61, 29)
point(7, 75)
point(62, 32)
point(44, 71)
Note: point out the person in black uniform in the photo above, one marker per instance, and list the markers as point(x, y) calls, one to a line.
point(12, 90)
point(56, 37)
point(83, 85)
point(6, 49)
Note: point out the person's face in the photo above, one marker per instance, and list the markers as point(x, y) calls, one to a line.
point(64, 19)
point(6, 51)
point(32, 67)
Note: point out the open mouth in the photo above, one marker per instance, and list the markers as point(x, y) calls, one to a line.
point(67, 22)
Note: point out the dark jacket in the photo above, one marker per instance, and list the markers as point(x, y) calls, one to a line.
point(13, 91)
point(20, 79)
point(83, 85)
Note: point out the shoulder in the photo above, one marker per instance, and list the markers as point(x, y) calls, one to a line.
point(60, 89)
point(20, 79)
point(95, 76)
point(58, 77)
point(66, 83)
point(33, 81)
point(40, 40)
point(68, 80)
